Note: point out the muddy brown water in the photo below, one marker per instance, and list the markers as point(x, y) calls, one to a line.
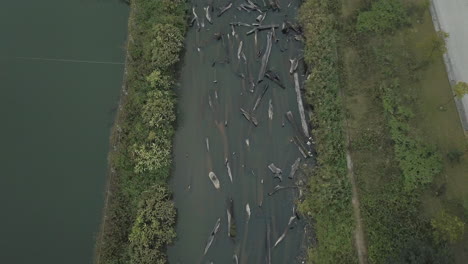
point(199, 204)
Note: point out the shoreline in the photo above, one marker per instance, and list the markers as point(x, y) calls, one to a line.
point(113, 143)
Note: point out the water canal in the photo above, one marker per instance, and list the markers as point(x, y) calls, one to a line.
point(58, 100)
point(215, 84)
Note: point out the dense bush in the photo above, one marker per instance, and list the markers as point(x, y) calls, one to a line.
point(328, 200)
point(384, 16)
point(153, 227)
point(139, 218)
point(419, 163)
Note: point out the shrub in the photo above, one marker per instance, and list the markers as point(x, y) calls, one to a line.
point(384, 16)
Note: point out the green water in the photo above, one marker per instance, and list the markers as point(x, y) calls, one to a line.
point(199, 204)
point(56, 119)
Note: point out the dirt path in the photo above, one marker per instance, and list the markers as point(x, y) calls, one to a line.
point(361, 247)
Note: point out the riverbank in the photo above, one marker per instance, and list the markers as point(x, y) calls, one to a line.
point(328, 200)
point(139, 215)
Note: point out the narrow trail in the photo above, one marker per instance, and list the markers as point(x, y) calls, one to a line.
point(359, 237)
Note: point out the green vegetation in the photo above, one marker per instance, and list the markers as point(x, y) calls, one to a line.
point(139, 216)
point(387, 67)
point(328, 200)
point(384, 16)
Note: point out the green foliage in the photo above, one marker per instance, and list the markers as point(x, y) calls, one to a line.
point(384, 16)
point(164, 42)
point(455, 156)
point(328, 201)
point(159, 80)
point(153, 228)
point(422, 252)
point(460, 89)
point(419, 162)
point(143, 138)
point(448, 227)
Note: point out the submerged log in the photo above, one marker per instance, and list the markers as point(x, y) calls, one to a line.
point(257, 102)
point(231, 220)
point(278, 188)
point(224, 9)
point(274, 78)
point(265, 58)
point(247, 210)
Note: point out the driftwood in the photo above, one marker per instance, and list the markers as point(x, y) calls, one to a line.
point(249, 117)
point(239, 24)
point(300, 105)
point(274, 169)
point(265, 58)
point(259, 98)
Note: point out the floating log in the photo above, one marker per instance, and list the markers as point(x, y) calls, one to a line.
point(261, 17)
point(207, 141)
point(236, 259)
point(294, 64)
point(300, 105)
point(259, 98)
point(214, 179)
point(224, 9)
point(212, 235)
point(274, 169)
point(270, 110)
point(207, 14)
point(247, 209)
point(265, 58)
point(294, 168)
point(251, 31)
point(195, 18)
point(239, 50)
point(280, 238)
point(265, 27)
point(229, 170)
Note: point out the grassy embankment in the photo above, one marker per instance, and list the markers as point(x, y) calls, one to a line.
point(393, 82)
point(139, 216)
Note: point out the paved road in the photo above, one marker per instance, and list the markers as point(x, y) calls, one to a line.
point(452, 17)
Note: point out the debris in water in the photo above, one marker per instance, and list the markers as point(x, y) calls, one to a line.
point(214, 179)
point(212, 235)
